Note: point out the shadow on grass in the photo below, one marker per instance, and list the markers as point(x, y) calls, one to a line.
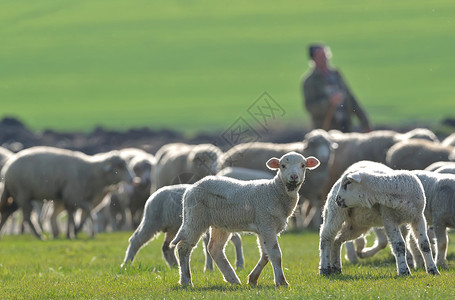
point(227, 288)
point(356, 277)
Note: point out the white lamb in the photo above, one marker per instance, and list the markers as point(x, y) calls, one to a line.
point(227, 205)
point(372, 195)
point(316, 143)
point(439, 211)
point(163, 213)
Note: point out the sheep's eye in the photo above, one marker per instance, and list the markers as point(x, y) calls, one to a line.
point(303, 166)
point(283, 166)
point(345, 186)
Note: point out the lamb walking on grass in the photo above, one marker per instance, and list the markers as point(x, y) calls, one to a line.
point(439, 211)
point(372, 195)
point(227, 205)
point(163, 213)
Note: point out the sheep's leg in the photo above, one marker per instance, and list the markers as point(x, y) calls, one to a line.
point(360, 243)
point(442, 241)
point(218, 239)
point(274, 253)
point(139, 238)
point(71, 227)
point(6, 212)
point(351, 255)
point(419, 228)
point(237, 241)
point(58, 207)
point(168, 252)
point(26, 214)
point(379, 244)
point(398, 246)
point(208, 258)
point(253, 277)
point(348, 232)
point(314, 217)
point(86, 214)
point(432, 238)
point(188, 236)
point(413, 256)
point(333, 221)
point(54, 225)
point(184, 250)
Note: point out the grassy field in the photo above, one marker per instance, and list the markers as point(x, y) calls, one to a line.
point(192, 65)
point(89, 268)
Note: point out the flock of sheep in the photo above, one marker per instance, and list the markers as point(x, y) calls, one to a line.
point(398, 184)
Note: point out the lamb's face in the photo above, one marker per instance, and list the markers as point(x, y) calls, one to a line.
point(292, 167)
point(116, 170)
point(351, 192)
point(205, 162)
point(318, 143)
point(142, 169)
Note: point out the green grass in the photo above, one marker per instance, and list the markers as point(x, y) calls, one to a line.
point(193, 65)
point(89, 268)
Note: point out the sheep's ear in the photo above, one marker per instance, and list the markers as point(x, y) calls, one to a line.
point(355, 177)
point(312, 162)
point(273, 163)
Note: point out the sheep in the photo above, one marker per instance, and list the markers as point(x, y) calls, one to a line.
point(71, 177)
point(316, 142)
point(182, 163)
point(418, 154)
point(228, 205)
point(369, 195)
point(439, 211)
point(142, 165)
point(126, 196)
point(371, 146)
point(163, 213)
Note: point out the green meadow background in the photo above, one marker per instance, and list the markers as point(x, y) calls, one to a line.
point(199, 64)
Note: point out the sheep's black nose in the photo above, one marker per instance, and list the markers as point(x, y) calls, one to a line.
point(294, 177)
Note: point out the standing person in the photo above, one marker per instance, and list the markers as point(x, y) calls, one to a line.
point(327, 97)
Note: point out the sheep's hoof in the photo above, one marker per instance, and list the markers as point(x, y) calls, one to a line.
point(433, 271)
point(325, 271)
point(405, 272)
point(252, 280)
point(282, 283)
point(186, 284)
